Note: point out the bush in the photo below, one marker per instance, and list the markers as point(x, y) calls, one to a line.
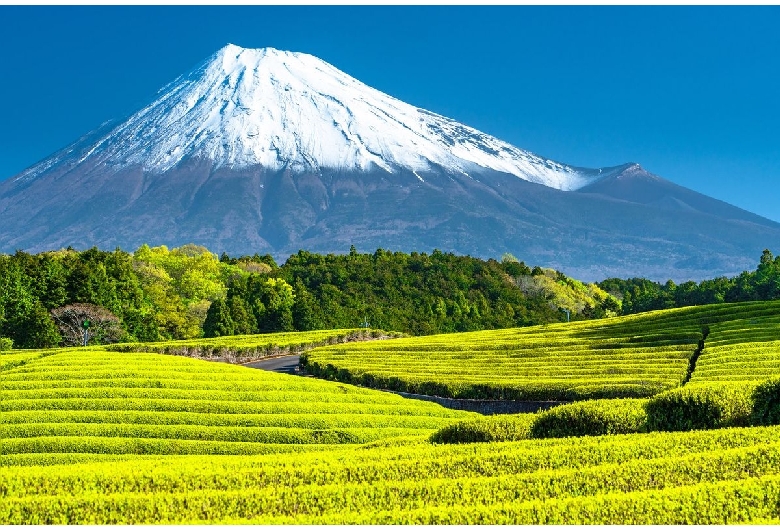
point(701, 406)
point(592, 418)
point(6, 344)
point(501, 428)
point(766, 403)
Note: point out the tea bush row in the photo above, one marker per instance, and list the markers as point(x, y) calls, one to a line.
point(635, 356)
point(693, 407)
point(541, 481)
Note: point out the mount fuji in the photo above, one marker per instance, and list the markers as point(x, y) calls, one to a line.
point(261, 150)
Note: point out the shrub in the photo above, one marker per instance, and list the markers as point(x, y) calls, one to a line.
point(592, 418)
point(501, 428)
point(6, 344)
point(766, 403)
point(701, 406)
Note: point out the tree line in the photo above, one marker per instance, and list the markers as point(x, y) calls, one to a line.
point(156, 293)
point(639, 294)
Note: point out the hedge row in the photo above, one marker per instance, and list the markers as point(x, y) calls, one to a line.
point(693, 407)
point(502, 428)
point(702, 406)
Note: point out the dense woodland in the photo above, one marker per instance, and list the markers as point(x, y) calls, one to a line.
point(188, 292)
point(639, 295)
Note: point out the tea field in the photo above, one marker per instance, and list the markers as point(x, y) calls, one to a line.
point(93, 401)
point(705, 477)
point(742, 345)
point(247, 348)
point(632, 356)
point(92, 436)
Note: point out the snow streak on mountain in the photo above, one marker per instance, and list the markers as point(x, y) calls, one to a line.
point(265, 151)
point(283, 110)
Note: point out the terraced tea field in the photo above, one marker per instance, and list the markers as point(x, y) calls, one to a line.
point(634, 356)
point(744, 347)
point(93, 436)
point(247, 348)
point(92, 401)
point(707, 477)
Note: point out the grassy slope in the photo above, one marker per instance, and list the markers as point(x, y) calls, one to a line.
point(632, 356)
point(722, 476)
point(107, 402)
point(79, 429)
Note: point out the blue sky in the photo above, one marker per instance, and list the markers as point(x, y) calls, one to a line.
point(691, 93)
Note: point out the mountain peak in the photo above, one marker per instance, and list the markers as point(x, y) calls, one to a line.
point(281, 110)
point(262, 150)
point(232, 57)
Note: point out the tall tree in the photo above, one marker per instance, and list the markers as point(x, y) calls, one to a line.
point(218, 322)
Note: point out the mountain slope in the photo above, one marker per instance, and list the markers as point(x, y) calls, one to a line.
point(269, 151)
point(283, 110)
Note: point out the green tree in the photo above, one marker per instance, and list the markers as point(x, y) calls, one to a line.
point(37, 329)
point(304, 310)
point(244, 322)
point(277, 300)
point(218, 322)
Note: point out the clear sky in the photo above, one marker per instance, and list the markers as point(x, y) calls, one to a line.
point(691, 93)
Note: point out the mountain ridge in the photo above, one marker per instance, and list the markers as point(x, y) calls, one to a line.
point(588, 223)
point(245, 107)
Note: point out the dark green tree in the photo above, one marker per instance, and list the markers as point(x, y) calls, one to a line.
point(36, 329)
point(244, 322)
point(304, 310)
point(218, 320)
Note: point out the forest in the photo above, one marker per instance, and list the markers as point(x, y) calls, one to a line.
point(156, 293)
point(638, 295)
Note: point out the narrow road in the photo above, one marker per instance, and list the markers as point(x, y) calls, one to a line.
point(283, 365)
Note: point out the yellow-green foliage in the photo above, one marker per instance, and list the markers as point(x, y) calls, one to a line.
point(592, 418)
point(701, 406)
point(743, 344)
point(500, 428)
point(195, 272)
point(9, 360)
point(724, 476)
point(632, 356)
point(12, 358)
point(90, 400)
point(246, 348)
point(565, 293)
point(182, 283)
point(584, 418)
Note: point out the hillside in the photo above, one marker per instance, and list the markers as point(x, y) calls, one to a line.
point(632, 356)
point(161, 294)
point(271, 151)
point(120, 437)
point(93, 401)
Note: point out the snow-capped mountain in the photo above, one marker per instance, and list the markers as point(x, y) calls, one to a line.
point(271, 151)
point(278, 110)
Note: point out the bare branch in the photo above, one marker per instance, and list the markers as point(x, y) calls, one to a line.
point(81, 324)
